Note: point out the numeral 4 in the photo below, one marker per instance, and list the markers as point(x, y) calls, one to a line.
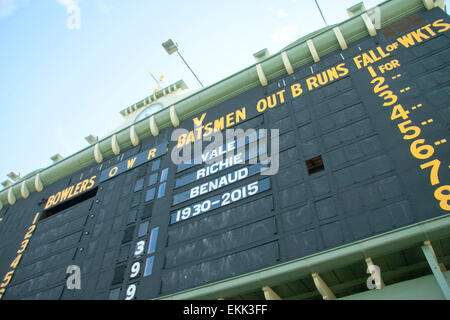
point(16, 261)
point(399, 112)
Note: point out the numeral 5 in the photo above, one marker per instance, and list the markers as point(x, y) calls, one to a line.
point(415, 131)
point(7, 279)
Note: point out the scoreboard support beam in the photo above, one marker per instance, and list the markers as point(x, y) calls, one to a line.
point(24, 190)
point(340, 38)
point(115, 145)
point(11, 196)
point(153, 127)
point(134, 138)
point(261, 76)
point(322, 287)
point(269, 294)
point(38, 185)
point(287, 63)
point(174, 117)
point(312, 50)
point(432, 262)
point(98, 154)
point(428, 4)
point(369, 25)
point(441, 265)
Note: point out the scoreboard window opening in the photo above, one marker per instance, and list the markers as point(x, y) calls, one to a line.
point(68, 204)
point(403, 25)
point(156, 164)
point(152, 179)
point(139, 185)
point(315, 165)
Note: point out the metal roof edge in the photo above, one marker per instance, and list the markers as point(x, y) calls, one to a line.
point(432, 229)
point(352, 29)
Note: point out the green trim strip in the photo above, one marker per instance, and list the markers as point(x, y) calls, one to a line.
point(325, 42)
point(392, 241)
point(440, 278)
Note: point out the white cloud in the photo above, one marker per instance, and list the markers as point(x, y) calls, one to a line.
point(104, 9)
point(68, 3)
point(280, 13)
point(7, 7)
point(283, 35)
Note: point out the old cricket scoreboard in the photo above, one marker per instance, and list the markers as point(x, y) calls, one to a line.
point(363, 149)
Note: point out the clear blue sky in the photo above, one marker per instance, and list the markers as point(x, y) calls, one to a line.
point(52, 77)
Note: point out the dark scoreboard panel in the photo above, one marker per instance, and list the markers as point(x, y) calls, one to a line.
point(362, 148)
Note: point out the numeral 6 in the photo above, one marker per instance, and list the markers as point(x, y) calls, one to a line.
point(417, 151)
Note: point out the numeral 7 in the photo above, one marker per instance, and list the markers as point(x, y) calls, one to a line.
point(434, 164)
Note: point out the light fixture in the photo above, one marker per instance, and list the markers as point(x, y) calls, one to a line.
point(261, 54)
point(57, 157)
point(13, 176)
point(6, 183)
point(91, 139)
point(356, 10)
point(172, 47)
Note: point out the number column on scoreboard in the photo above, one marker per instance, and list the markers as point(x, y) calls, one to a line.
point(418, 131)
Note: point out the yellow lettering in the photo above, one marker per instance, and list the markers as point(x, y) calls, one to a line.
point(324, 80)
point(373, 56)
point(84, 185)
point(358, 61)
point(49, 202)
point(151, 153)
point(281, 95)
point(77, 188)
point(130, 163)
point(64, 194)
point(430, 31)
point(312, 81)
point(198, 122)
point(445, 26)
point(240, 115)
point(406, 40)
point(230, 119)
point(57, 197)
point(332, 74)
point(208, 129)
point(366, 59)
point(261, 105)
point(219, 124)
point(70, 193)
point(181, 140)
point(343, 70)
point(271, 103)
point(296, 90)
point(382, 54)
point(191, 137)
point(199, 132)
point(418, 35)
point(92, 182)
point(113, 172)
